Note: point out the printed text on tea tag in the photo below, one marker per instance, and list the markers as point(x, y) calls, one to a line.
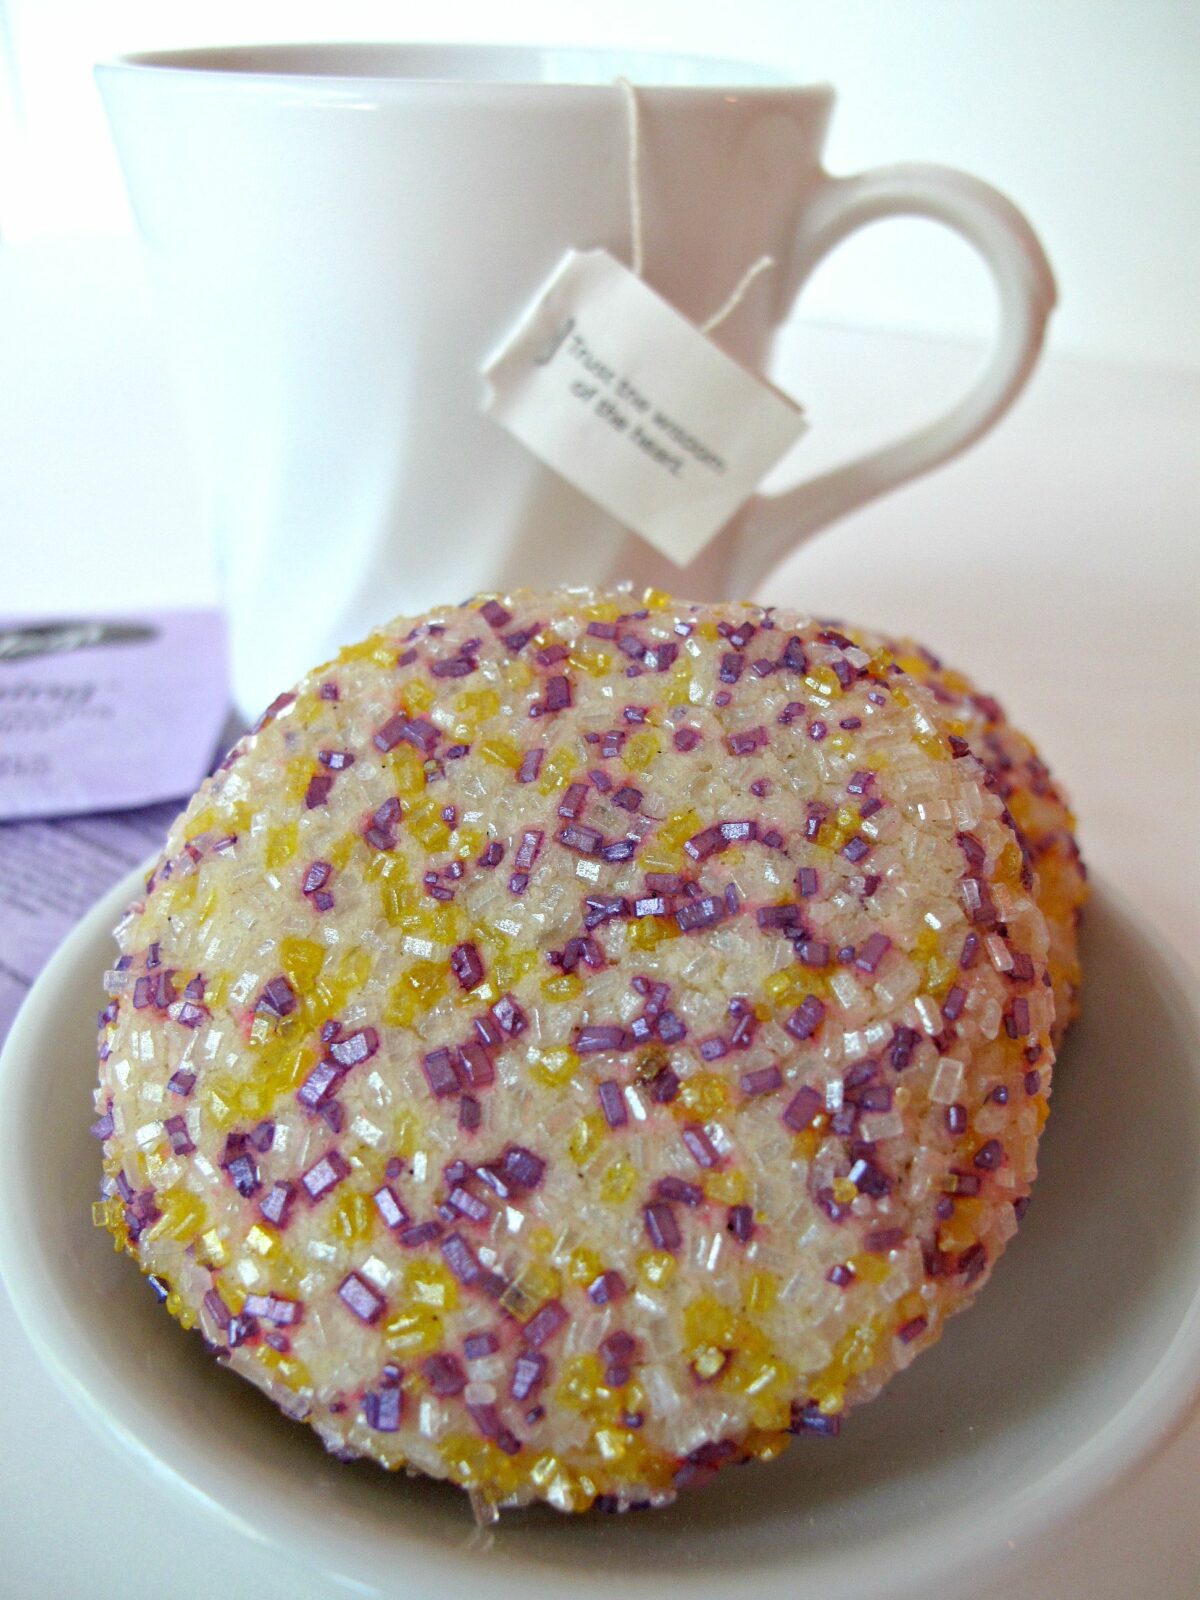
point(620, 394)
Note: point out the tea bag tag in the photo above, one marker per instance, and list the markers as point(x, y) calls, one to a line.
point(608, 384)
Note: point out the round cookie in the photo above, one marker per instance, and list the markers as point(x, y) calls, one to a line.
point(573, 1044)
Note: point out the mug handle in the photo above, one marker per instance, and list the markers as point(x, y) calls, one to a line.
point(774, 525)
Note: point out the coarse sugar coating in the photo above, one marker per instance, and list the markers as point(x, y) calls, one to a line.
point(1040, 813)
point(574, 1043)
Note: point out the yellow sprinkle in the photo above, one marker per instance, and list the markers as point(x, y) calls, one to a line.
point(431, 1284)
point(656, 1267)
point(280, 846)
point(211, 1251)
point(553, 1067)
point(584, 1265)
point(586, 1138)
point(263, 1241)
point(640, 750)
point(413, 1331)
point(727, 1188)
point(703, 1095)
point(618, 1182)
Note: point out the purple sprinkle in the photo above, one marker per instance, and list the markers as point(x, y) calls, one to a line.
point(954, 1002)
point(661, 1226)
point(509, 1016)
point(467, 966)
point(469, 1205)
point(277, 1203)
point(355, 1048)
point(445, 1374)
point(740, 1222)
point(357, 1294)
point(803, 1109)
point(686, 739)
point(904, 1042)
point(700, 1147)
point(470, 1113)
point(441, 1073)
point(806, 1018)
point(874, 948)
point(325, 1174)
point(573, 801)
point(531, 765)
point(700, 913)
point(243, 1174)
point(989, 1156)
point(176, 1129)
point(586, 841)
point(317, 793)
point(664, 1086)
point(545, 1323)
point(746, 742)
point(612, 1103)
point(956, 1118)
point(316, 877)
point(521, 1167)
point(595, 1037)
point(278, 997)
point(459, 1257)
point(762, 1081)
point(811, 1419)
point(529, 1373)
point(607, 1287)
point(390, 1208)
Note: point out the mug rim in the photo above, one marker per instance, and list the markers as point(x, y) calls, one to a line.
point(295, 62)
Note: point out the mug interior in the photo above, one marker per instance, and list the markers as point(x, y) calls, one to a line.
point(463, 63)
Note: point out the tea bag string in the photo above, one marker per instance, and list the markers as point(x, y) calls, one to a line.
point(636, 235)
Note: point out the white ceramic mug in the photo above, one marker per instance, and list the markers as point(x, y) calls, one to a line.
point(344, 232)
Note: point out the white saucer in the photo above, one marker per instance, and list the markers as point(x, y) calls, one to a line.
point(1080, 1358)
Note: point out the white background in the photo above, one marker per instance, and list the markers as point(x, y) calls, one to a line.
point(1084, 111)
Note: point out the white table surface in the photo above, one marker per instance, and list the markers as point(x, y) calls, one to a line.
point(1058, 561)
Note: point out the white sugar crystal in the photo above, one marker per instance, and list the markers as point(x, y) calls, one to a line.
point(928, 1013)
point(721, 1141)
point(990, 1016)
point(489, 1368)
point(998, 953)
point(367, 1132)
point(846, 989)
point(882, 1125)
point(662, 1394)
point(947, 1081)
point(377, 1272)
